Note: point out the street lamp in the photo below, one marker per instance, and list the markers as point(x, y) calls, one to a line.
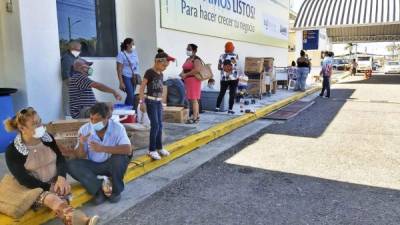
point(70, 26)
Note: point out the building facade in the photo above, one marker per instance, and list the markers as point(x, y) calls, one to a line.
point(33, 35)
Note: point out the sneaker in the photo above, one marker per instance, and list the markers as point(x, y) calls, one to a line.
point(231, 112)
point(163, 152)
point(216, 110)
point(154, 155)
point(320, 95)
point(114, 198)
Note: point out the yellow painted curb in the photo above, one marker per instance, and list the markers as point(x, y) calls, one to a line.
point(144, 164)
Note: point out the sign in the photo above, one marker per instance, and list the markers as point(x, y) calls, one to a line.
point(264, 22)
point(310, 39)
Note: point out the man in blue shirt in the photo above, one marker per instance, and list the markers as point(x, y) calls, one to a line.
point(104, 149)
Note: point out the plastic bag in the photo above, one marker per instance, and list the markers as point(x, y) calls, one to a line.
point(143, 118)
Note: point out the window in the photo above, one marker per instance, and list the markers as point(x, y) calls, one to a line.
point(91, 22)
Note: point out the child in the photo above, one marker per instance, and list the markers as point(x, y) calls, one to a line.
point(242, 87)
point(292, 74)
point(210, 85)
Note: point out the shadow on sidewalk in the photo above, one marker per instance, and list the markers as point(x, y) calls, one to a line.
point(313, 121)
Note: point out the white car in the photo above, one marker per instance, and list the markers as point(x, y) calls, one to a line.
point(392, 67)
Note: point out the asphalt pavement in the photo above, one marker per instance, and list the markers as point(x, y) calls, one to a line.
point(335, 163)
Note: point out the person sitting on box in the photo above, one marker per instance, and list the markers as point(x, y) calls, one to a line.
point(152, 102)
point(104, 149)
point(35, 161)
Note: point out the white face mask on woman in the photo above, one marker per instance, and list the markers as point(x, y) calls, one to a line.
point(189, 53)
point(75, 53)
point(39, 132)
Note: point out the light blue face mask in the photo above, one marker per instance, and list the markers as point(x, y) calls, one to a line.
point(98, 126)
point(90, 71)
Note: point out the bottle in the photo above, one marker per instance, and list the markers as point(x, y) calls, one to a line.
point(106, 186)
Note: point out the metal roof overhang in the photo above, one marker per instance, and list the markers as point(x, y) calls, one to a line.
point(352, 20)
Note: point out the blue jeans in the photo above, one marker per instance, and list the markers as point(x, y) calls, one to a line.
point(85, 171)
point(130, 92)
point(302, 73)
point(155, 113)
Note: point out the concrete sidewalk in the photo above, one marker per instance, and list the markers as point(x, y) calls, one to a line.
point(180, 140)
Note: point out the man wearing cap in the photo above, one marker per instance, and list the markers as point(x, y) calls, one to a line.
point(228, 65)
point(152, 102)
point(81, 96)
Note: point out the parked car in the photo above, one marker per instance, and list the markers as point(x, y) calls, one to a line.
point(340, 64)
point(392, 67)
point(364, 63)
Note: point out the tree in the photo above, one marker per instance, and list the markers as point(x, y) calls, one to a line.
point(394, 49)
point(350, 47)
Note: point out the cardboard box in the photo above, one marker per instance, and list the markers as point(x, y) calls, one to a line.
point(253, 65)
point(65, 126)
point(255, 87)
point(175, 114)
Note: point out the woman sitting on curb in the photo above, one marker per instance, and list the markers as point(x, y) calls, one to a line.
point(36, 162)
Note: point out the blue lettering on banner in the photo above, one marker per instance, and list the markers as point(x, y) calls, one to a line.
point(310, 39)
point(237, 6)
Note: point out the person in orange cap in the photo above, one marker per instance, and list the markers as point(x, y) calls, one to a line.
point(228, 80)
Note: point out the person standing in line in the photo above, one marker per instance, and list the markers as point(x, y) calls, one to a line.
point(190, 68)
point(228, 79)
point(152, 102)
point(231, 83)
point(128, 70)
point(81, 95)
point(303, 69)
point(326, 72)
point(354, 66)
point(67, 61)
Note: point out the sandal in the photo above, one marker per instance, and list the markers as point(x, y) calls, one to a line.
point(70, 216)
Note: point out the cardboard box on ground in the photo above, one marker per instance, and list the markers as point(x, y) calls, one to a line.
point(174, 114)
point(261, 75)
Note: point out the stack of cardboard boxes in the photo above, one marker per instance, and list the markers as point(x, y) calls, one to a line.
point(261, 75)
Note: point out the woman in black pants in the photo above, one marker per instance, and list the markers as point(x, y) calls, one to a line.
point(230, 82)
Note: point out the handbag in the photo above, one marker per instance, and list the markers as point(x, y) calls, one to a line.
point(136, 78)
point(15, 199)
point(205, 72)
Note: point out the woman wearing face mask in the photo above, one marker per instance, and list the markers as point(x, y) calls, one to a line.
point(128, 70)
point(36, 162)
point(152, 102)
point(190, 68)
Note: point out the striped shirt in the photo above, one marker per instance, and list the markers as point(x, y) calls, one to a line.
point(80, 93)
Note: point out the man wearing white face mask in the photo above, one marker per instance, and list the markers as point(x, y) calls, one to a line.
point(81, 96)
point(67, 61)
point(104, 149)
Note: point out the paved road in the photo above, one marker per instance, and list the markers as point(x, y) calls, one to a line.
point(335, 163)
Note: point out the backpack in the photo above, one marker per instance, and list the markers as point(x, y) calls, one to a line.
point(326, 70)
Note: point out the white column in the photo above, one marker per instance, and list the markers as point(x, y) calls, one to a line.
point(41, 57)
